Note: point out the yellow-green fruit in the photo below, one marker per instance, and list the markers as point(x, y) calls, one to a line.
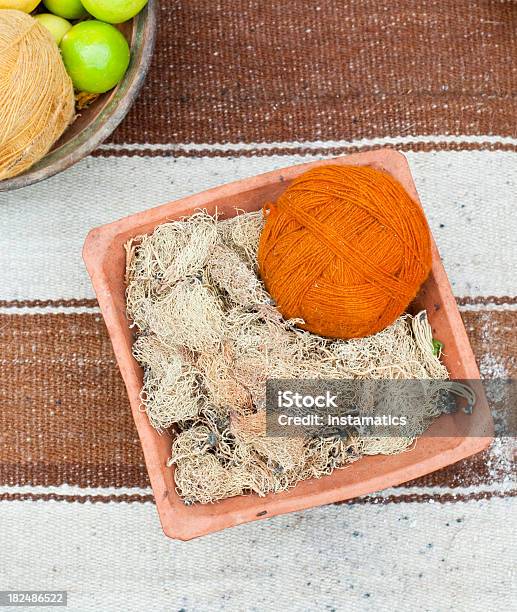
point(96, 56)
point(68, 9)
point(26, 6)
point(114, 11)
point(57, 26)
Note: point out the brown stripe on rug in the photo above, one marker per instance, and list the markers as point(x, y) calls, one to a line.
point(65, 415)
point(242, 71)
point(66, 419)
point(499, 300)
point(442, 498)
point(74, 303)
point(258, 151)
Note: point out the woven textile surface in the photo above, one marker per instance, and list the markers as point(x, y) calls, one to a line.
point(236, 88)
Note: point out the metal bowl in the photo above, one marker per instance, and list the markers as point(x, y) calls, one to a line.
point(95, 123)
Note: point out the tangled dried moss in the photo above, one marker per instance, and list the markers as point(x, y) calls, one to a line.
point(209, 337)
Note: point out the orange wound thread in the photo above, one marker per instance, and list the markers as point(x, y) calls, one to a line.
point(346, 250)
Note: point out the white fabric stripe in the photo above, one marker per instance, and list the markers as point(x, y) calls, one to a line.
point(44, 310)
point(72, 491)
point(33, 310)
point(315, 144)
point(469, 197)
point(114, 557)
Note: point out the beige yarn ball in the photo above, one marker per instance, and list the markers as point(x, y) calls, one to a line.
point(36, 93)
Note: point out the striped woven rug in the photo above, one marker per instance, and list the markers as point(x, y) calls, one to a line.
point(240, 87)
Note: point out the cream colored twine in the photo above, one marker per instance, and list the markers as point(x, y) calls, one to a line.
point(36, 93)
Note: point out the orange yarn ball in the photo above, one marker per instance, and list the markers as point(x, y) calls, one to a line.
point(344, 248)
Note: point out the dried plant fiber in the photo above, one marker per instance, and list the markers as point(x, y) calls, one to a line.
point(208, 338)
point(36, 93)
point(344, 248)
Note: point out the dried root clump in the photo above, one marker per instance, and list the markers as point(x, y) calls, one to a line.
point(189, 315)
point(209, 337)
point(231, 275)
point(280, 453)
point(171, 391)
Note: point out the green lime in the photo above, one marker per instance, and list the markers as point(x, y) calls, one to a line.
point(69, 9)
point(57, 26)
point(114, 11)
point(96, 56)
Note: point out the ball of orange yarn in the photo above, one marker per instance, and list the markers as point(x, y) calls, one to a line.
point(344, 248)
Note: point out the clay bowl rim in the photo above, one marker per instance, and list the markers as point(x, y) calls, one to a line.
point(104, 256)
point(120, 100)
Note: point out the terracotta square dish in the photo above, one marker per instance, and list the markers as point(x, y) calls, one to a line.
point(453, 436)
